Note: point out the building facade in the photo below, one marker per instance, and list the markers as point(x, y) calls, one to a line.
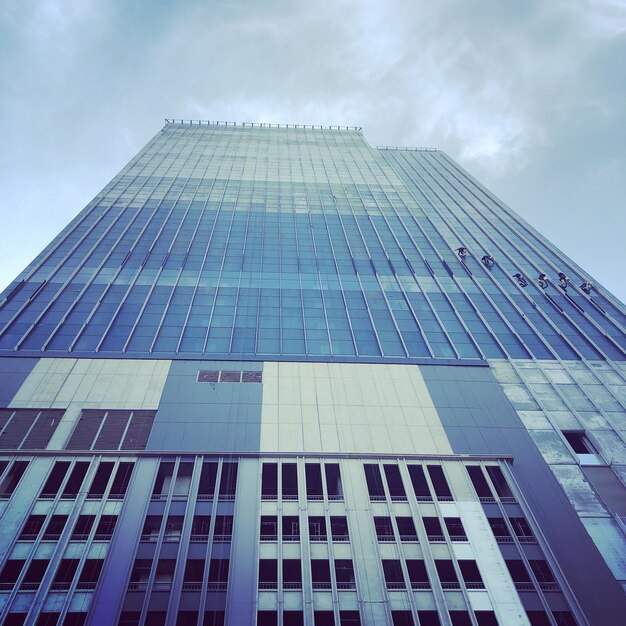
point(273, 375)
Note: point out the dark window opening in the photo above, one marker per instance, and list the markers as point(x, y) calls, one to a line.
point(228, 481)
point(349, 618)
point(252, 377)
point(334, 488)
point(293, 618)
point(194, 573)
point(47, 618)
point(440, 484)
point(429, 618)
point(200, 527)
point(417, 574)
point(268, 574)
point(12, 478)
point(289, 477)
point(313, 476)
point(208, 477)
point(83, 527)
point(208, 376)
point(433, 529)
point(374, 482)
point(406, 529)
point(543, 574)
point(317, 528)
point(105, 528)
point(35, 573)
point(100, 480)
point(32, 527)
point(182, 483)
point(223, 528)
point(480, 483)
point(402, 618)
point(183, 618)
point(213, 618)
point(522, 530)
point(446, 573)
point(292, 574)
point(230, 377)
point(75, 618)
point(151, 527)
point(500, 530)
point(392, 570)
point(384, 529)
point(65, 574)
point(163, 480)
point(90, 574)
point(269, 481)
point(140, 574)
point(269, 528)
point(564, 618)
point(394, 482)
point(164, 575)
point(10, 573)
point(320, 574)
point(55, 527)
point(579, 443)
point(15, 619)
point(75, 481)
point(218, 574)
point(339, 528)
point(538, 618)
point(324, 618)
point(266, 618)
point(344, 574)
point(486, 618)
point(499, 482)
point(291, 528)
point(519, 574)
point(419, 482)
point(52, 485)
point(121, 480)
point(460, 618)
point(455, 528)
point(173, 528)
point(471, 574)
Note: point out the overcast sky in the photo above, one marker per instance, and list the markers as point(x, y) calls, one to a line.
point(529, 96)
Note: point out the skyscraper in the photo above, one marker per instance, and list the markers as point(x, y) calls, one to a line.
point(273, 375)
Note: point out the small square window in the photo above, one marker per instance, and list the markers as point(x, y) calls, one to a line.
point(208, 376)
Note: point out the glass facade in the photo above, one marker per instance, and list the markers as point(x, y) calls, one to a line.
point(272, 375)
point(303, 243)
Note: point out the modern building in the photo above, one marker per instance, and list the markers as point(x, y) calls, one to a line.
point(273, 375)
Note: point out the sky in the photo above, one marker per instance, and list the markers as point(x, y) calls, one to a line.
point(529, 96)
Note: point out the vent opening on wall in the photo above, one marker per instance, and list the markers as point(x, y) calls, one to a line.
point(229, 376)
point(28, 429)
point(111, 430)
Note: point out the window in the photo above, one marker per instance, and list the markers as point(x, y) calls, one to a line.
point(164, 574)
point(313, 475)
point(75, 480)
point(200, 526)
point(47, 618)
point(394, 482)
point(460, 618)
point(519, 574)
point(65, 574)
point(100, 480)
point(290, 481)
point(90, 574)
point(417, 574)
point(428, 618)
point(446, 573)
point(500, 530)
point(10, 573)
point(339, 528)
point(433, 529)
point(349, 618)
point(52, 485)
point(480, 483)
point(293, 618)
point(208, 476)
point(121, 481)
point(267, 618)
point(486, 618)
point(402, 618)
point(140, 574)
point(213, 618)
point(151, 527)
point(55, 528)
point(440, 484)
point(419, 482)
point(582, 447)
point(291, 528)
point(269, 528)
point(471, 575)
point(27, 429)
point(374, 482)
point(320, 574)
point(499, 482)
point(32, 527)
point(173, 528)
point(34, 574)
point(392, 570)
point(11, 478)
point(317, 528)
point(344, 574)
point(292, 574)
point(183, 481)
point(406, 528)
point(543, 574)
point(455, 528)
point(384, 529)
point(105, 528)
point(223, 528)
point(324, 618)
point(334, 488)
point(269, 481)
point(83, 527)
point(228, 481)
point(194, 572)
point(522, 530)
point(218, 575)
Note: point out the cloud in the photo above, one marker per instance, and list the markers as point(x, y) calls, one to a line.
point(523, 94)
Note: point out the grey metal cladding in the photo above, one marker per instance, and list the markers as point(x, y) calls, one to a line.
point(479, 419)
point(208, 416)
